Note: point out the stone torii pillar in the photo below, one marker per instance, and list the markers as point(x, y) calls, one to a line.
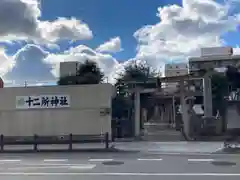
point(184, 109)
point(137, 118)
point(137, 107)
point(207, 96)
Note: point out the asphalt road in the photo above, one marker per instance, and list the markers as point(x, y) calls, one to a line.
point(109, 166)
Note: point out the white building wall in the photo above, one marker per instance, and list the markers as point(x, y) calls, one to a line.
point(68, 68)
point(82, 117)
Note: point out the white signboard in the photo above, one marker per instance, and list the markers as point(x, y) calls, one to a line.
point(42, 101)
point(217, 51)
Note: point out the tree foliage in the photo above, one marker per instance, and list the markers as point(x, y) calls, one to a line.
point(233, 76)
point(219, 86)
point(219, 91)
point(134, 73)
point(139, 74)
point(87, 73)
point(222, 84)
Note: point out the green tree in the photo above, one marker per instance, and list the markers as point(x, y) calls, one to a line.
point(222, 84)
point(134, 74)
point(219, 92)
point(219, 86)
point(233, 76)
point(88, 73)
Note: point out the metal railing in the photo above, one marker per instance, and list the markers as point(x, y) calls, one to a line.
point(69, 140)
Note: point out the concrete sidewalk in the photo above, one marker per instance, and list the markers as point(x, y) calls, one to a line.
point(138, 146)
point(171, 147)
point(89, 147)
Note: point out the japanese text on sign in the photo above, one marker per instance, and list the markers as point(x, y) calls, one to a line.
point(42, 101)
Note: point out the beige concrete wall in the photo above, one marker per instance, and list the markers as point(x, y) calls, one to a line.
point(233, 118)
point(82, 117)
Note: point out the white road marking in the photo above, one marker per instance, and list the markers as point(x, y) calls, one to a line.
point(87, 166)
point(48, 164)
point(113, 174)
point(10, 160)
point(191, 153)
point(37, 167)
point(79, 166)
point(99, 160)
point(201, 160)
point(149, 159)
point(55, 160)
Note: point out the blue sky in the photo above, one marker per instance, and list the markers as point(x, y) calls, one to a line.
point(108, 18)
point(41, 34)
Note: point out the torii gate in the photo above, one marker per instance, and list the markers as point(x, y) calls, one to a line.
point(196, 66)
point(208, 64)
point(183, 93)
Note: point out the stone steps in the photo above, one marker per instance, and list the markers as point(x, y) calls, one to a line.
point(163, 137)
point(156, 126)
point(161, 132)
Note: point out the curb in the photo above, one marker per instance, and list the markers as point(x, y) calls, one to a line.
point(229, 150)
point(196, 153)
point(96, 150)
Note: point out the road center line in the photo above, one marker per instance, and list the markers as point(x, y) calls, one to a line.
point(113, 174)
point(99, 160)
point(200, 160)
point(149, 159)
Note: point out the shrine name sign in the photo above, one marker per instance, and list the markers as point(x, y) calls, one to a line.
point(42, 101)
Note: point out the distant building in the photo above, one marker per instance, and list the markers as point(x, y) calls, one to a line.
point(68, 68)
point(178, 69)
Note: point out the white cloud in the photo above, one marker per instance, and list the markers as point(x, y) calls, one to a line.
point(62, 28)
point(182, 31)
point(6, 62)
point(111, 46)
point(52, 46)
point(19, 20)
point(236, 50)
point(82, 53)
point(35, 65)
point(29, 65)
